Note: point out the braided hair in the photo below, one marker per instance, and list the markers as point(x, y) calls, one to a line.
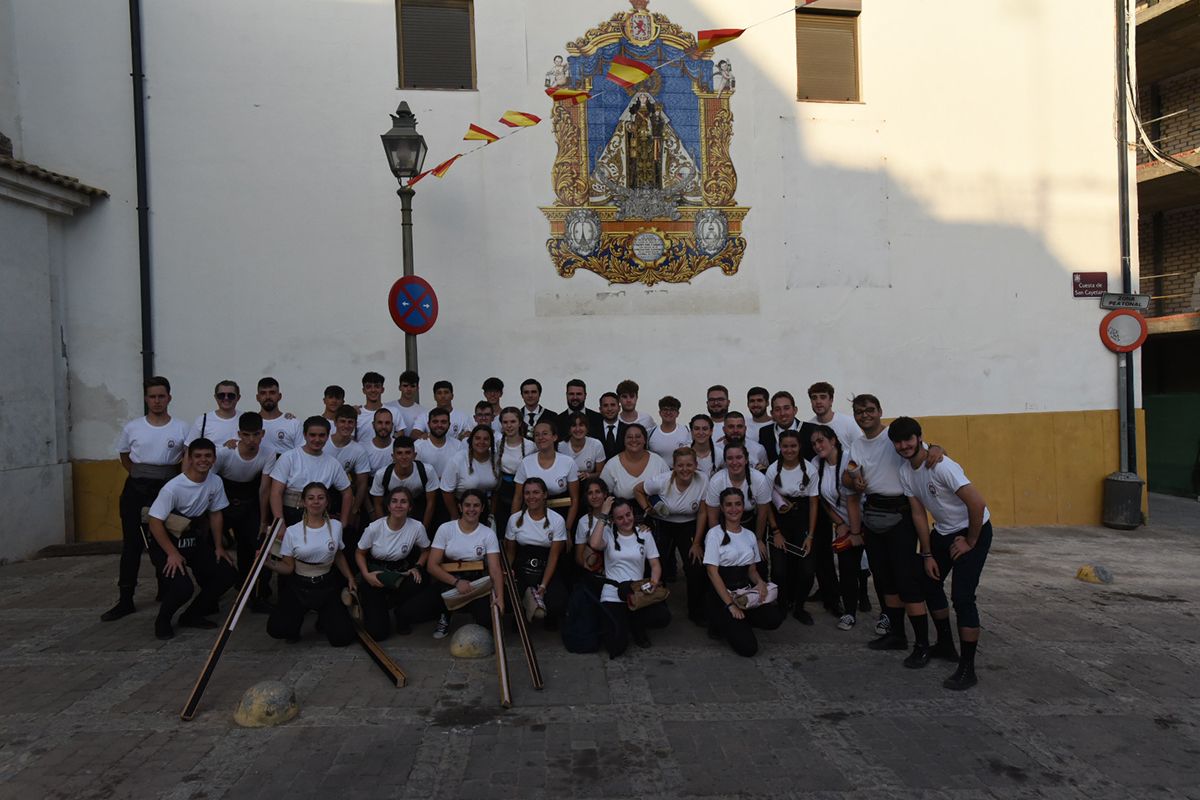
point(534, 481)
point(583, 490)
point(621, 501)
point(831, 434)
point(491, 451)
point(522, 428)
point(325, 515)
point(730, 491)
point(803, 467)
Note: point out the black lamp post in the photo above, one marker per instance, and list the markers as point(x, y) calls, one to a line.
point(405, 149)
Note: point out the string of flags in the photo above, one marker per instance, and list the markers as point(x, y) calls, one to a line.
point(623, 72)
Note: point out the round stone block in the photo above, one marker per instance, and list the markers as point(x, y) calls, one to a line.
point(472, 641)
point(264, 704)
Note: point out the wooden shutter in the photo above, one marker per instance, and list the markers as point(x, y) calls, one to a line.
point(437, 50)
point(827, 57)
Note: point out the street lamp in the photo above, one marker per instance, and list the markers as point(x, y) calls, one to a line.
point(405, 150)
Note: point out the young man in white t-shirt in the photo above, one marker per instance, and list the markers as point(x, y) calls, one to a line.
point(379, 446)
point(198, 495)
point(352, 457)
point(150, 449)
point(372, 389)
point(280, 430)
point(716, 400)
point(406, 411)
point(758, 406)
point(669, 436)
point(820, 396)
point(627, 396)
point(245, 472)
point(219, 426)
point(443, 397)
point(958, 543)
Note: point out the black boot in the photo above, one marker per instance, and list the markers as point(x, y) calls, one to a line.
point(918, 658)
point(944, 650)
point(123, 608)
point(964, 676)
point(889, 641)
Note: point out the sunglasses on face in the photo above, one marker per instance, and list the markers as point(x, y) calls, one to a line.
point(226, 396)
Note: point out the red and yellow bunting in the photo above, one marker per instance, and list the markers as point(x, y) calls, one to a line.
point(627, 72)
point(441, 169)
point(478, 134)
point(559, 93)
point(707, 40)
point(519, 119)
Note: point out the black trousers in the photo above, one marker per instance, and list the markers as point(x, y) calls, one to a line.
point(822, 556)
point(214, 577)
point(792, 573)
point(967, 571)
point(895, 563)
point(137, 494)
point(299, 595)
point(242, 519)
point(740, 632)
point(618, 621)
point(409, 603)
point(676, 537)
point(849, 567)
point(528, 569)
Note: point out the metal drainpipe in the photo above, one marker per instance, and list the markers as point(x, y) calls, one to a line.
point(1128, 422)
point(143, 190)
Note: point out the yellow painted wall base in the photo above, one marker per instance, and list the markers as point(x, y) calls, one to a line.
point(1033, 469)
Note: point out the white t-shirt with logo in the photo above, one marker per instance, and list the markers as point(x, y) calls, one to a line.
point(284, 434)
point(364, 430)
point(313, 545)
point(296, 468)
point(936, 489)
point(665, 444)
point(214, 428)
point(460, 423)
point(524, 529)
point(681, 506)
point(591, 454)
point(791, 485)
point(831, 488)
point(405, 417)
point(464, 472)
point(377, 457)
point(413, 481)
point(352, 456)
point(626, 564)
point(741, 551)
point(756, 452)
point(459, 546)
point(511, 456)
point(232, 467)
point(844, 426)
point(754, 495)
point(438, 457)
point(621, 483)
point(386, 544)
point(558, 476)
point(184, 496)
point(880, 464)
point(153, 444)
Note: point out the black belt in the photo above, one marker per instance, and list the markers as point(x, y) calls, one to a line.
point(888, 502)
point(313, 580)
point(393, 566)
point(735, 577)
point(532, 558)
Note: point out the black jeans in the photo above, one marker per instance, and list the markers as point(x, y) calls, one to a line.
point(617, 621)
point(409, 603)
point(299, 595)
point(740, 632)
point(137, 494)
point(528, 569)
point(676, 537)
point(967, 571)
point(792, 573)
point(895, 563)
point(242, 518)
point(214, 577)
point(822, 556)
point(849, 563)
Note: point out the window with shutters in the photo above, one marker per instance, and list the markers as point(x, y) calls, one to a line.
point(827, 51)
point(437, 44)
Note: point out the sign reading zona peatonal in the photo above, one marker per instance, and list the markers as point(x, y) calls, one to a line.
point(413, 305)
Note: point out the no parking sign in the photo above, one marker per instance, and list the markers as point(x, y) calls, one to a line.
point(413, 305)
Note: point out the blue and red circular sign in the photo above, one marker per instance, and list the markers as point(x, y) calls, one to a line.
point(413, 304)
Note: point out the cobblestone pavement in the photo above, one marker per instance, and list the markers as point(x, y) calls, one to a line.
point(1085, 691)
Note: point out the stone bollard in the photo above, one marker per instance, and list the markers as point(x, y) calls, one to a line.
point(472, 641)
point(1094, 573)
point(265, 704)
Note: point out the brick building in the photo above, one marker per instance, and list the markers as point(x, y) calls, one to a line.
point(1168, 180)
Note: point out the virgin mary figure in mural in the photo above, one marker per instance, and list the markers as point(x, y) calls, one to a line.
point(644, 146)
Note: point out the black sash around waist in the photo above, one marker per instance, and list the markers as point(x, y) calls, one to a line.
point(735, 577)
point(532, 559)
point(888, 502)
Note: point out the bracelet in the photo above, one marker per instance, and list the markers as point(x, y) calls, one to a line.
point(729, 604)
point(926, 555)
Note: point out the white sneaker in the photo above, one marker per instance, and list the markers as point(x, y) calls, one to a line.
point(846, 622)
point(884, 626)
point(443, 627)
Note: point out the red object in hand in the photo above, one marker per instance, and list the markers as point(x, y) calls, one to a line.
point(842, 543)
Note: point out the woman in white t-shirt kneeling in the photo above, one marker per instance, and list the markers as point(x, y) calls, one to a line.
point(731, 556)
point(310, 552)
point(464, 550)
point(628, 550)
point(390, 557)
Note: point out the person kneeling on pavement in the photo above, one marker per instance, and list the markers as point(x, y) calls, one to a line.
point(391, 558)
point(182, 521)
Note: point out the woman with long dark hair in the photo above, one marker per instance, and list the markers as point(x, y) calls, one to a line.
point(841, 506)
point(472, 468)
point(391, 557)
point(794, 494)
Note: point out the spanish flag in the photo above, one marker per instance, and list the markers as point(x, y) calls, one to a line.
point(417, 177)
point(441, 169)
point(558, 93)
point(519, 119)
point(707, 40)
point(626, 72)
point(478, 134)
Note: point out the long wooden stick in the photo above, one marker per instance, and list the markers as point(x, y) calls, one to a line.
point(380, 656)
point(189, 708)
point(501, 658)
point(510, 583)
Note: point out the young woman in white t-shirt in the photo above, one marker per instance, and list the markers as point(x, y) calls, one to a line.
point(466, 539)
point(511, 449)
point(473, 468)
point(587, 452)
point(311, 556)
point(628, 550)
point(534, 542)
point(558, 472)
point(795, 503)
point(590, 563)
point(731, 558)
point(701, 426)
point(391, 556)
point(841, 507)
point(631, 465)
point(673, 500)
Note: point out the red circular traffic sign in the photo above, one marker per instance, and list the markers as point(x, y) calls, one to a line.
point(413, 304)
point(1123, 330)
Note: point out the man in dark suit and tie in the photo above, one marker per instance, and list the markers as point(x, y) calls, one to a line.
point(783, 411)
point(612, 429)
point(533, 413)
point(577, 404)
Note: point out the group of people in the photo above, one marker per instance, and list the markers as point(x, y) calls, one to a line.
point(395, 507)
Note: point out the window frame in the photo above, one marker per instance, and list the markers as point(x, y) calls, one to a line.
point(840, 10)
point(400, 83)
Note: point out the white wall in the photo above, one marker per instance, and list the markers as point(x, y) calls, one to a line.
point(918, 245)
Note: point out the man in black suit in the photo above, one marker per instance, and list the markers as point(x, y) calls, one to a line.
point(783, 411)
point(612, 429)
point(577, 404)
point(533, 413)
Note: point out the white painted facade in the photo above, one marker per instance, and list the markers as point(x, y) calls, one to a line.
point(918, 245)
